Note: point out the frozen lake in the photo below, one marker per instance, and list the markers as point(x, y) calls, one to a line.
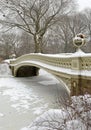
point(24, 99)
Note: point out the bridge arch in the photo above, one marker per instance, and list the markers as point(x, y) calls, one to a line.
point(26, 71)
point(29, 69)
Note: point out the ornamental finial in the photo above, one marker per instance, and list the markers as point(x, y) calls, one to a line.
point(79, 40)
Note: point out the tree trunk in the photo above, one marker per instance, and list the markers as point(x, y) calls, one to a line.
point(65, 47)
point(38, 43)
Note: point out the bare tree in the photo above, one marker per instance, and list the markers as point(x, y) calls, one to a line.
point(52, 44)
point(87, 21)
point(26, 44)
point(76, 24)
point(64, 33)
point(35, 16)
point(68, 28)
point(9, 43)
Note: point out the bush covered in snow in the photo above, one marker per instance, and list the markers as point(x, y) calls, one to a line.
point(75, 115)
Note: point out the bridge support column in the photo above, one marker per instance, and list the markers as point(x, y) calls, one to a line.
point(80, 86)
point(12, 69)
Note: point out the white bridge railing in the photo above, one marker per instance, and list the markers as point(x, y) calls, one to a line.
point(74, 61)
point(54, 60)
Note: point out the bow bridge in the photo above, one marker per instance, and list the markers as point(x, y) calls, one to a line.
point(74, 69)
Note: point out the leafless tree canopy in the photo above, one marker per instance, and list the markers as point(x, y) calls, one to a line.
point(34, 16)
point(51, 25)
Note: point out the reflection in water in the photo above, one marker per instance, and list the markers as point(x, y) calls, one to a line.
point(23, 99)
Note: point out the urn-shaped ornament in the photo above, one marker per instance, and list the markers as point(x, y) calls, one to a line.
point(79, 40)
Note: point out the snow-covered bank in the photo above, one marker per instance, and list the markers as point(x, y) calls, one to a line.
point(4, 70)
point(76, 116)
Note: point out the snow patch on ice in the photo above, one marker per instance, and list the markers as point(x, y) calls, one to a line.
point(21, 97)
point(48, 82)
point(40, 110)
point(1, 114)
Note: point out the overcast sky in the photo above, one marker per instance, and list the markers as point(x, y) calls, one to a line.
point(84, 4)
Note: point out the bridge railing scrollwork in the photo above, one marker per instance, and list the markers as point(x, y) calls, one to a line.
point(54, 60)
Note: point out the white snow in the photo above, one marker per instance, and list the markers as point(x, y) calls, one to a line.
point(48, 82)
point(4, 70)
point(1, 114)
point(21, 97)
point(39, 110)
point(74, 117)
